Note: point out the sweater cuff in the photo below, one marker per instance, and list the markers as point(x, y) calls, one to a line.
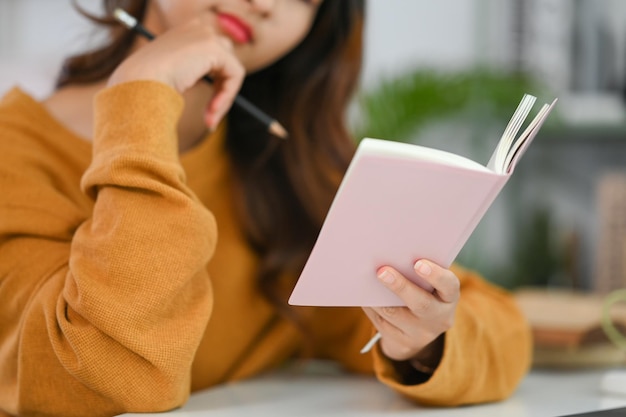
point(138, 116)
point(436, 389)
point(395, 374)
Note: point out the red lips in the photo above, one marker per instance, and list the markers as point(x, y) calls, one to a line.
point(234, 28)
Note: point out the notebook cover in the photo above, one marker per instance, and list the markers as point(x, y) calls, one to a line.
point(391, 210)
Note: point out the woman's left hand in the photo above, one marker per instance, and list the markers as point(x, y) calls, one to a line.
point(412, 332)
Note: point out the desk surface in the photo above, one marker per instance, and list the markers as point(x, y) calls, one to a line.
point(326, 392)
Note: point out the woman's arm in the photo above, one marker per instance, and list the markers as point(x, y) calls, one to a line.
point(486, 353)
point(102, 312)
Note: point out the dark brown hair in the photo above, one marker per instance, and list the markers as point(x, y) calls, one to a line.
point(284, 188)
point(287, 187)
point(98, 64)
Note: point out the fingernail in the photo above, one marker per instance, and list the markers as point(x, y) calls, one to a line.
point(386, 276)
point(422, 268)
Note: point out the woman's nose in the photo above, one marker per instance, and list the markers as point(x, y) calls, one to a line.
point(262, 6)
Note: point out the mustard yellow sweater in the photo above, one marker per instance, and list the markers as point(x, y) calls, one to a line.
point(126, 282)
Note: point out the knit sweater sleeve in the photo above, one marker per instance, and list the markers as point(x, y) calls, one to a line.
point(103, 315)
point(486, 354)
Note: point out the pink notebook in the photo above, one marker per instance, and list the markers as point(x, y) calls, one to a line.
point(401, 202)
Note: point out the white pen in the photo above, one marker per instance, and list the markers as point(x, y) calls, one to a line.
point(369, 345)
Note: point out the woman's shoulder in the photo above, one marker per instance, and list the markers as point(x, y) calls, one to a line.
point(16, 104)
point(21, 111)
point(37, 156)
point(26, 123)
point(22, 120)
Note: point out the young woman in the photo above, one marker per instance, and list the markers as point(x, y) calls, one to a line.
point(150, 235)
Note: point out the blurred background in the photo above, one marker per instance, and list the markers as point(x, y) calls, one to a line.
point(449, 74)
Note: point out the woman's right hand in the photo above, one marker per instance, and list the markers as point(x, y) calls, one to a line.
point(180, 57)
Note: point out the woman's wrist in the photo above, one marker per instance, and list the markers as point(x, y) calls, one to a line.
point(427, 360)
point(420, 368)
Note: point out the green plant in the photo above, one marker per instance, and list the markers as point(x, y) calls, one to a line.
point(397, 108)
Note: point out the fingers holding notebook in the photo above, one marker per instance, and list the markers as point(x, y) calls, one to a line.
point(407, 331)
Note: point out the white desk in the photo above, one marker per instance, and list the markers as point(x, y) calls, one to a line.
point(325, 392)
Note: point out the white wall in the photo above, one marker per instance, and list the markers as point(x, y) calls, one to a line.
point(441, 34)
point(403, 33)
point(35, 36)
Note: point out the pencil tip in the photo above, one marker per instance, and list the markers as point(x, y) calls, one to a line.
point(277, 129)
